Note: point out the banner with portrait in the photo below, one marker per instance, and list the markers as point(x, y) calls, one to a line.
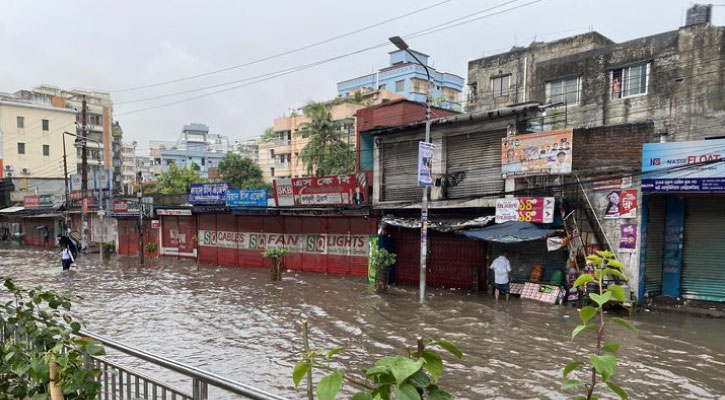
point(543, 153)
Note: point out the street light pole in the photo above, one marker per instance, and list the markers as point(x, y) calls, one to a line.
point(400, 43)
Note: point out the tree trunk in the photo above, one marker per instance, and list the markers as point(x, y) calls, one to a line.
point(381, 280)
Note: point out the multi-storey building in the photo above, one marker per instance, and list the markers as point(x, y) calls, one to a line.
point(129, 161)
point(248, 148)
point(197, 149)
point(32, 136)
point(405, 77)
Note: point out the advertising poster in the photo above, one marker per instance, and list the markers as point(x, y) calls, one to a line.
point(628, 204)
point(208, 193)
point(684, 167)
point(321, 191)
point(247, 198)
point(544, 153)
point(527, 209)
point(628, 238)
point(425, 163)
point(613, 205)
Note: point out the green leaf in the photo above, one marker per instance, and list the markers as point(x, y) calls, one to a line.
point(54, 304)
point(377, 370)
point(625, 324)
point(39, 396)
point(433, 364)
point(617, 293)
point(605, 365)
point(615, 272)
point(583, 279)
point(605, 254)
point(596, 260)
point(329, 386)
point(601, 299)
point(586, 313)
point(618, 390)
point(95, 349)
point(610, 347)
point(420, 380)
point(333, 351)
point(450, 347)
point(362, 396)
point(615, 264)
point(577, 331)
point(598, 274)
point(300, 371)
point(402, 368)
point(435, 393)
point(75, 326)
point(571, 367)
point(570, 383)
point(406, 391)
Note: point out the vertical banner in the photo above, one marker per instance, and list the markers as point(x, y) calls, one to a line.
point(628, 238)
point(628, 205)
point(425, 163)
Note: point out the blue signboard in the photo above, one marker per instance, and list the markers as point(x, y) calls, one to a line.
point(208, 193)
point(247, 198)
point(697, 166)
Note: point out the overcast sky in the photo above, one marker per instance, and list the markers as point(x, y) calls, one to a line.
point(115, 45)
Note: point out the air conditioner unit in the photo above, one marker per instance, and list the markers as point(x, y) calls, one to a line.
point(26, 170)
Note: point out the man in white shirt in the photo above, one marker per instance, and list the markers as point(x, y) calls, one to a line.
point(502, 272)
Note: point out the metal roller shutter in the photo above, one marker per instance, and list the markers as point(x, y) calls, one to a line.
point(479, 156)
point(654, 246)
point(703, 270)
point(400, 166)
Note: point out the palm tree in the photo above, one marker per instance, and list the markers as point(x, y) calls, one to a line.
point(327, 152)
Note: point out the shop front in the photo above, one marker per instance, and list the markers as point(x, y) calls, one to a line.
point(178, 232)
point(684, 220)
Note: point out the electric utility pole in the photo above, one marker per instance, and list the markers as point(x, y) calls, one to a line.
point(139, 178)
point(84, 175)
point(67, 190)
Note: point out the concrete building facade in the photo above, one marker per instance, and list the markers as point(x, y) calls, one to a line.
point(196, 149)
point(405, 77)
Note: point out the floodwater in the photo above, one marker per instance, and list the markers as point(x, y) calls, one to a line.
point(236, 323)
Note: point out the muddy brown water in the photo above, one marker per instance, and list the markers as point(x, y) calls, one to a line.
point(236, 323)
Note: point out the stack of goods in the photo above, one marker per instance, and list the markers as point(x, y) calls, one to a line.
point(516, 288)
point(536, 273)
point(544, 293)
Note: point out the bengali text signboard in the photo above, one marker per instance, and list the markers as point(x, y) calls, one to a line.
point(43, 201)
point(208, 193)
point(321, 191)
point(247, 198)
point(526, 209)
point(544, 153)
point(129, 207)
point(695, 166)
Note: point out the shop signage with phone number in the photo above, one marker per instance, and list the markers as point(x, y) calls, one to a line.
point(527, 209)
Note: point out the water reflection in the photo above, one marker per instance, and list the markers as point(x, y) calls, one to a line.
point(235, 322)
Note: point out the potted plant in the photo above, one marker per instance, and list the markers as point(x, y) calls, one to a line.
point(150, 248)
point(276, 256)
point(381, 260)
point(108, 249)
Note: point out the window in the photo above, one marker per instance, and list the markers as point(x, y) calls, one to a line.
point(382, 87)
point(46, 150)
point(271, 153)
point(565, 90)
point(21, 148)
point(500, 85)
point(21, 122)
point(399, 86)
point(271, 171)
point(419, 85)
point(46, 125)
point(630, 81)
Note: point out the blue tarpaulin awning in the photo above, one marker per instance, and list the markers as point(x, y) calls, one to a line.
point(510, 232)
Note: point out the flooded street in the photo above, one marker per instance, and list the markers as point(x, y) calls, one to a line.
point(234, 322)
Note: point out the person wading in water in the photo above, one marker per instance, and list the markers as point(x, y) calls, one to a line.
point(66, 257)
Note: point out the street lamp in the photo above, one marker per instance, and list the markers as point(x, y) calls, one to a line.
point(400, 43)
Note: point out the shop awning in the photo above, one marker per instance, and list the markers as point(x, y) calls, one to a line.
point(439, 224)
point(510, 232)
point(10, 210)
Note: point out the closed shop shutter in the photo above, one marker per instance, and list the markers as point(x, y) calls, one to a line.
point(400, 171)
point(703, 269)
point(478, 155)
point(654, 246)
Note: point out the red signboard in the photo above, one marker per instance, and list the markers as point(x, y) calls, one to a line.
point(321, 191)
point(31, 201)
point(528, 209)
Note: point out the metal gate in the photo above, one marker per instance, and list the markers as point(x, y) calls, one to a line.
point(703, 269)
point(654, 246)
point(478, 156)
point(400, 169)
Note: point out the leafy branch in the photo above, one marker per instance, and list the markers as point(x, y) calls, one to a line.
point(604, 361)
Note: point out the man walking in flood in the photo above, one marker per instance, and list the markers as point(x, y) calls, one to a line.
point(502, 273)
point(66, 257)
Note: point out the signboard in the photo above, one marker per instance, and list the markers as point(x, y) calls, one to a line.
point(425, 163)
point(43, 201)
point(208, 193)
point(96, 180)
point(19, 195)
point(247, 198)
point(544, 153)
point(176, 212)
point(332, 244)
point(628, 238)
point(155, 224)
point(321, 191)
point(129, 207)
point(695, 166)
point(529, 209)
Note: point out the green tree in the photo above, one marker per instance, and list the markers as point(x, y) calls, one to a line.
point(177, 180)
point(327, 152)
point(241, 172)
point(268, 135)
